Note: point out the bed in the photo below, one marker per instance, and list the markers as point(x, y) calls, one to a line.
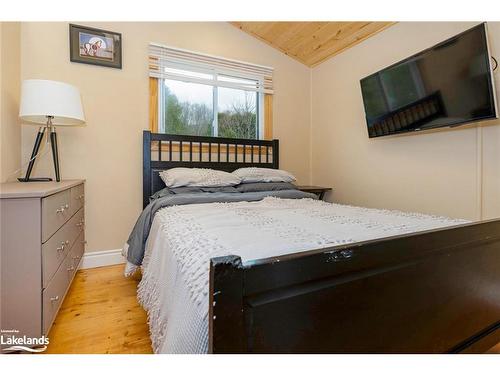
point(385, 282)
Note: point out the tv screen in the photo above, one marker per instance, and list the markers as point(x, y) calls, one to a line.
point(446, 85)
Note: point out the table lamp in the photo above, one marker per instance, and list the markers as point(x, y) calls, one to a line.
point(50, 103)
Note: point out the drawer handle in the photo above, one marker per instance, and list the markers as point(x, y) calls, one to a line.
point(77, 257)
point(54, 299)
point(80, 196)
point(80, 224)
point(61, 209)
point(63, 245)
point(72, 268)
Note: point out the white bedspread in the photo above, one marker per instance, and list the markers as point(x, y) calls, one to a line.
point(174, 286)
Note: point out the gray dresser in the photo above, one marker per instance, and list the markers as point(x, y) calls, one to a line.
point(42, 240)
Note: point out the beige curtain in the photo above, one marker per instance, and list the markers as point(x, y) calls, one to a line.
point(153, 104)
point(268, 116)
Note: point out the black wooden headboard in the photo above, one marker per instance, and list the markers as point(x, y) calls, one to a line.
point(165, 151)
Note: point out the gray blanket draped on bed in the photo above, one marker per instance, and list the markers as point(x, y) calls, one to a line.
point(137, 239)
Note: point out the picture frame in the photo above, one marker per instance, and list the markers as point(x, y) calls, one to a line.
point(93, 46)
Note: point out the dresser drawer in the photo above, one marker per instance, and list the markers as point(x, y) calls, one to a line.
point(70, 266)
point(55, 212)
point(58, 246)
point(77, 251)
point(53, 295)
point(77, 198)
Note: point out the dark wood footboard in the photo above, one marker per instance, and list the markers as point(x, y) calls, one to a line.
point(429, 292)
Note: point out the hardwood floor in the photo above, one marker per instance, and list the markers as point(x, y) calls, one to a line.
point(100, 315)
point(494, 350)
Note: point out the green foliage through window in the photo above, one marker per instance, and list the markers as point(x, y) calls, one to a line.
point(190, 109)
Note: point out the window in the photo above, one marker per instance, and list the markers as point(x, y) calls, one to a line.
point(194, 94)
point(185, 108)
point(199, 109)
point(238, 114)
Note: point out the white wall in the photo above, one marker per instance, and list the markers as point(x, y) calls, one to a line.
point(10, 129)
point(108, 150)
point(436, 172)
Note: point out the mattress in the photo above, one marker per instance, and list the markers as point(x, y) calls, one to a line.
point(182, 239)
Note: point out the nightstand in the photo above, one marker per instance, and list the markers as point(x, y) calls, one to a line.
point(318, 190)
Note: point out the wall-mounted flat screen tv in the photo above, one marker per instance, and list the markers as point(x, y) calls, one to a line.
point(446, 85)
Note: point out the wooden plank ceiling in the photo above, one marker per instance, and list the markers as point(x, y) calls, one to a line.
point(311, 43)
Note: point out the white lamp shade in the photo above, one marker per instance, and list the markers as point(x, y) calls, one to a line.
point(41, 98)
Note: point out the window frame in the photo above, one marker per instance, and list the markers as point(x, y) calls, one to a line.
point(157, 91)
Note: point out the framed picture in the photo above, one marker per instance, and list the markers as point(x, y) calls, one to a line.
point(95, 46)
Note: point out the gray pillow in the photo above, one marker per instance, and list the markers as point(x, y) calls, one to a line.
point(192, 190)
point(208, 189)
point(264, 186)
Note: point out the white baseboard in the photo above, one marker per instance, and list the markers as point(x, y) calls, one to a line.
point(102, 258)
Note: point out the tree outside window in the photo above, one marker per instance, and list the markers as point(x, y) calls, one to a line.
point(198, 109)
